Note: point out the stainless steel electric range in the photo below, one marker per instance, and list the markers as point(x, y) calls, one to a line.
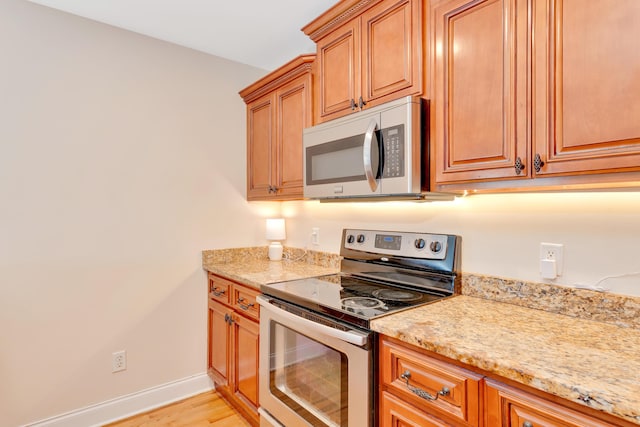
point(316, 349)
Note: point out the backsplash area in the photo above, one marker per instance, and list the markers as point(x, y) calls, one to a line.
point(220, 256)
point(606, 307)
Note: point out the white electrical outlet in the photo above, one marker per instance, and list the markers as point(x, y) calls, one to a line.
point(119, 361)
point(552, 252)
point(315, 236)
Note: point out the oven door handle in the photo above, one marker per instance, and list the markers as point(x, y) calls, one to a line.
point(353, 336)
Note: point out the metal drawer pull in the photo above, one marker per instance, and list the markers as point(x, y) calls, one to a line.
point(216, 292)
point(527, 424)
point(244, 306)
point(425, 395)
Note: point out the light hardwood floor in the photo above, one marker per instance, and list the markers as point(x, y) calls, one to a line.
point(206, 409)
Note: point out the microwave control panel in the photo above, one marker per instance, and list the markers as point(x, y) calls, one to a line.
point(393, 151)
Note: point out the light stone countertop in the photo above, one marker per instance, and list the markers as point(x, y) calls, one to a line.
point(592, 363)
point(251, 266)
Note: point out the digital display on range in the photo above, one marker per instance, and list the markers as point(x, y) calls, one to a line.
point(388, 241)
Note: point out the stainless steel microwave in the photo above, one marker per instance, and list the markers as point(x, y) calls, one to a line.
point(375, 154)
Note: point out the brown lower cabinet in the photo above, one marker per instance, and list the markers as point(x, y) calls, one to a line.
point(509, 406)
point(394, 412)
point(443, 393)
point(419, 390)
point(233, 342)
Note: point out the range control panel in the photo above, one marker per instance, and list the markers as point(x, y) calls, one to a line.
point(414, 245)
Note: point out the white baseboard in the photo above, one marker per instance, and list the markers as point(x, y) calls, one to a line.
point(130, 404)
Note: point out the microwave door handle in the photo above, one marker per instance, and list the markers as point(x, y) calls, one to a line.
point(366, 154)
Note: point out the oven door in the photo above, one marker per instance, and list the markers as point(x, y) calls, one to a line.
point(312, 374)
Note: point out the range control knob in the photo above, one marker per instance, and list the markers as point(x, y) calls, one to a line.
point(350, 238)
point(419, 243)
point(360, 238)
point(435, 247)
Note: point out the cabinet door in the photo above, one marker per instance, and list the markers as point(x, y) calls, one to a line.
point(396, 413)
point(338, 71)
point(219, 342)
point(245, 362)
point(391, 50)
point(480, 90)
point(507, 406)
point(586, 84)
point(260, 148)
point(294, 114)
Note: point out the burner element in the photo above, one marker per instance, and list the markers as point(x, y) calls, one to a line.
point(396, 295)
point(361, 302)
point(359, 289)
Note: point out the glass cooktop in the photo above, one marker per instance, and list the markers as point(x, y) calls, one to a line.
point(348, 298)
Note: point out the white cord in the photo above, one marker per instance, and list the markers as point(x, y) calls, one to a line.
point(596, 287)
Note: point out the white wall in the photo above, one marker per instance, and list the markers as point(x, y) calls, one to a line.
point(121, 158)
point(501, 234)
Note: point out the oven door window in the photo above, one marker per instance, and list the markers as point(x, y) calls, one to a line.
point(308, 377)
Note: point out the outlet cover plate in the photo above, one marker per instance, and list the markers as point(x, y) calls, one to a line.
point(119, 361)
point(553, 251)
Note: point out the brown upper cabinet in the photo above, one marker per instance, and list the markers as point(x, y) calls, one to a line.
point(279, 107)
point(586, 82)
point(368, 52)
point(560, 107)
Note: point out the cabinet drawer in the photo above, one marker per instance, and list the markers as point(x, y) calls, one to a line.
point(437, 387)
point(220, 289)
point(511, 407)
point(244, 301)
point(394, 413)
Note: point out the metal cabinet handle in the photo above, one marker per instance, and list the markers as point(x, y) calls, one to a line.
point(353, 104)
point(272, 189)
point(245, 307)
point(361, 102)
point(216, 292)
point(519, 166)
point(423, 394)
point(228, 319)
point(537, 163)
point(527, 424)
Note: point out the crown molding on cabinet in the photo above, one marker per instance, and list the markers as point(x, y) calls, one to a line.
point(336, 16)
point(292, 69)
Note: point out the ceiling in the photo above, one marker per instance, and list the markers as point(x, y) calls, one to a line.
point(262, 33)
